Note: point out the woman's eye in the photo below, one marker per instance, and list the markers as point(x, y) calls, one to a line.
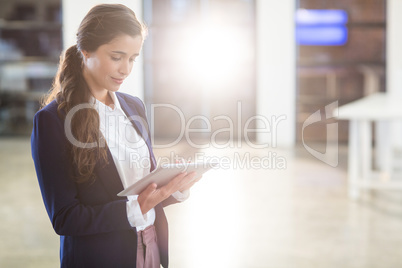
point(132, 60)
point(115, 59)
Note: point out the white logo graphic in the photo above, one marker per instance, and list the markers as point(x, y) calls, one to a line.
point(330, 156)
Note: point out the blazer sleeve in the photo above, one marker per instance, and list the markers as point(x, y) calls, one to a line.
point(59, 191)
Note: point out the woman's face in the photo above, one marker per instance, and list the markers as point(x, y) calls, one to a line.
point(106, 68)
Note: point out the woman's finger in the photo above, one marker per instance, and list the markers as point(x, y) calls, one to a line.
point(173, 185)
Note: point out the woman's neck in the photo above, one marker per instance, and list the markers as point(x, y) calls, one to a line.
point(104, 97)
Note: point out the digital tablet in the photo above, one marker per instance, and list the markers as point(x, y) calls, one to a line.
point(163, 174)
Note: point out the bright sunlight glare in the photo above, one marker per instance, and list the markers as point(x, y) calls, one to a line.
point(212, 54)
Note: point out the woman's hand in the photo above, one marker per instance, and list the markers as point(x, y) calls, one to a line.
point(152, 195)
point(192, 182)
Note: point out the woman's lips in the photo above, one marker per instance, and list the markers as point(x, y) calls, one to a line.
point(118, 81)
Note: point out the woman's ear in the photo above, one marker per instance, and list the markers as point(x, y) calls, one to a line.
point(85, 54)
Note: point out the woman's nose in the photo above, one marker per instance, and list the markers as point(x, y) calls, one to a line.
point(125, 68)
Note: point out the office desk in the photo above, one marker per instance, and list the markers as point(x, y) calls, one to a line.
point(368, 167)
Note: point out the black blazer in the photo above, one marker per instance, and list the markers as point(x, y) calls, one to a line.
point(89, 217)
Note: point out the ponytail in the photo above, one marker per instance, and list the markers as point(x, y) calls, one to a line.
point(68, 77)
point(69, 90)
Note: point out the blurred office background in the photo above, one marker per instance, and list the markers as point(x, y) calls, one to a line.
point(230, 64)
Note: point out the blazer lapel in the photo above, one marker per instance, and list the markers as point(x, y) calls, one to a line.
point(140, 124)
point(109, 172)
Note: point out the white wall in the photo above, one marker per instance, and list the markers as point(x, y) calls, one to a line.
point(276, 68)
point(394, 63)
point(75, 10)
point(394, 47)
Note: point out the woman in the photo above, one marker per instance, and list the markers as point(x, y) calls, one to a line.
point(86, 145)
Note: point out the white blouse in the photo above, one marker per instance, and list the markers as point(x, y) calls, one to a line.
point(131, 156)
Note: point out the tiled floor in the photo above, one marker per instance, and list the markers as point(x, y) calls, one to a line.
point(238, 216)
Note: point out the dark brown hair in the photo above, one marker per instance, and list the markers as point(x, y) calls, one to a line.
point(101, 25)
